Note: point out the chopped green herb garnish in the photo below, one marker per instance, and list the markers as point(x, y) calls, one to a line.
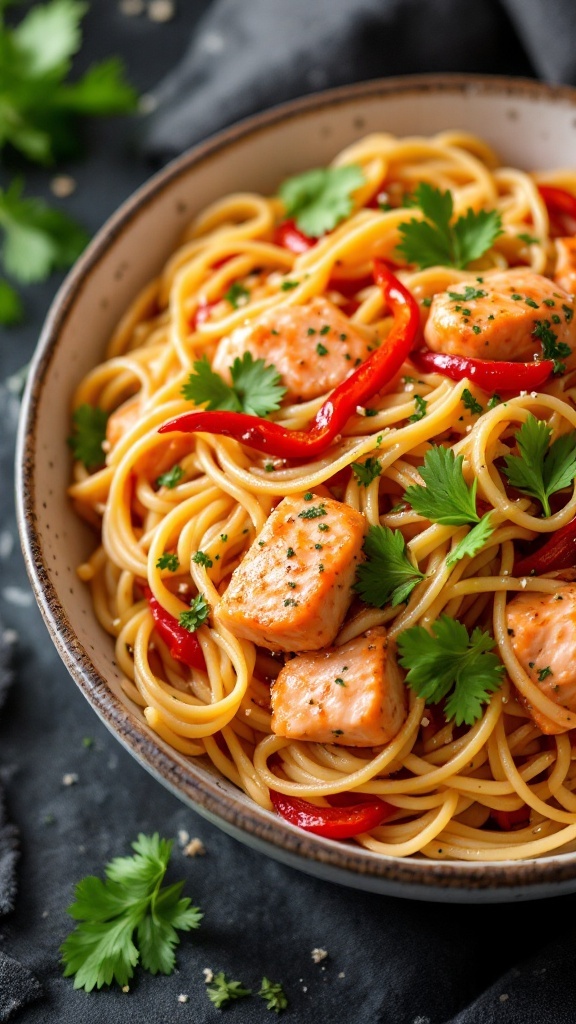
point(387, 575)
point(435, 240)
point(197, 614)
point(469, 402)
point(319, 199)
point(255, 388)
point(200, 558)
point(88, 435)
point(171, 478)
point(367, 471)
point(541, 469)
point(168, 561)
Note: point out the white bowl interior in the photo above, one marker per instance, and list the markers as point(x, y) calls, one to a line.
point(528, 125)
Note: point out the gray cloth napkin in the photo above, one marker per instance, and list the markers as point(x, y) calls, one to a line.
point(247, 57)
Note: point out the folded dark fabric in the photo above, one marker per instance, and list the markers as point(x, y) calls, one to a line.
point(246, 57)
point(18, 986)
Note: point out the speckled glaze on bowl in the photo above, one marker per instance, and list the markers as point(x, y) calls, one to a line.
point(531, 126)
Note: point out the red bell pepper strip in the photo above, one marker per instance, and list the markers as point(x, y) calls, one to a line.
point(290, 237)
point(561, 207)
point(354, 814)
point(558, 552)
point(183, 645)
point(371, 376)
point(507, 821)
point(488, 374)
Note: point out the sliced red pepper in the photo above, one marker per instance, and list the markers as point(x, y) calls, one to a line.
point(561, 207)
point(557, 552)
point(371, 376)
point(183, 645)
point(354, 814)
point(290, 237)
point(507, 821)
point(488, 374)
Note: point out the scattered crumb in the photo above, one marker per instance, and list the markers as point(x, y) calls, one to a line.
point(125, 988)
point(504, 997)
point(161, 10)
point(183, 837)
point(304, 988)
point(45, 913)
point(425, 722)
point(208, 974)
point(131, 8)
point(146, 104)
point(341, 974)
point(182, 998)
point(195, 848)
point(62, 186)
point(9, 637)
point(318, 954)
point(70, 779)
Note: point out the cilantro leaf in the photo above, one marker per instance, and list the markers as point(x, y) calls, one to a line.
point(448, 662)
point(197, 614)
point(319, 199)
point(11, 309)
point(37, 238)
point(446, 498)
point(171, 478)
point(39, 105)
point(255, 387)
point(387, 574)
point(541, 468)
point(273, 994)
point(131, 899)
point(88, 435)
point(473, 542)
point(221, 991)
point(167, 560)
point(550, 350)
point(436, 241)
point(367, 471)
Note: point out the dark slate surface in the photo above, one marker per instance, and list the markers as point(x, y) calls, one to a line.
point(76, 804)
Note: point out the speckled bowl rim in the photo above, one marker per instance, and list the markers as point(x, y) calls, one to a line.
point(414, 878)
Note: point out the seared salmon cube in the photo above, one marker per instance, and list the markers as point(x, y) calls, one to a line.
point(542, 629)
point(293, 587)
point(501, 316)
point(314, 347)
point(352, 695)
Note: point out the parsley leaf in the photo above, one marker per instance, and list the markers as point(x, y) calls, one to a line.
point(101, 949)
point(255, 388)
point(197, 614)
point(469, 402)
point(437, 241)
point(450, 663)
point(473, 542)
point(446, 498)
point(88, 435)
point(39, 106)
point(367, 471)
point(273, 994)
point(221, 991)
point(551, 350)
point(387, 574)
point(319, 199)
point(542, 468)
point(37, 238)
point(171, 478)
point(167, 560)
point(11, 309)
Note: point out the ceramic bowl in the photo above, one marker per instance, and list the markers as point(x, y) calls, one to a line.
point(531, 126)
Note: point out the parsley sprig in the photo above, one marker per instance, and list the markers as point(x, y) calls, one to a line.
point(387, 575)
point(255, 388)
point(448, 662)
point(196, 615)
point(319, 199)
point(131, 901)
point(40, 111)
point(541, 468)
point(437, 240)
point(221, 991)
point(40, 105)
point(88, 435)
point(447, 499)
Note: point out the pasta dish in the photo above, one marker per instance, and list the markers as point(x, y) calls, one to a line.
point(329, 460)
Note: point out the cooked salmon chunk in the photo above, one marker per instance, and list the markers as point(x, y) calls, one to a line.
point(565, 270)
point(543, 635)
point(293, 587)
point(353, 694)
point(501, 316)
point(161, 457)
point(314, 347)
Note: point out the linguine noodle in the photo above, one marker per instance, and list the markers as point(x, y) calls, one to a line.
point(450, 786)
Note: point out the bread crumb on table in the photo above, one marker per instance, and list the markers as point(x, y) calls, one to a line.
point(195, 848)
point(318, 954)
